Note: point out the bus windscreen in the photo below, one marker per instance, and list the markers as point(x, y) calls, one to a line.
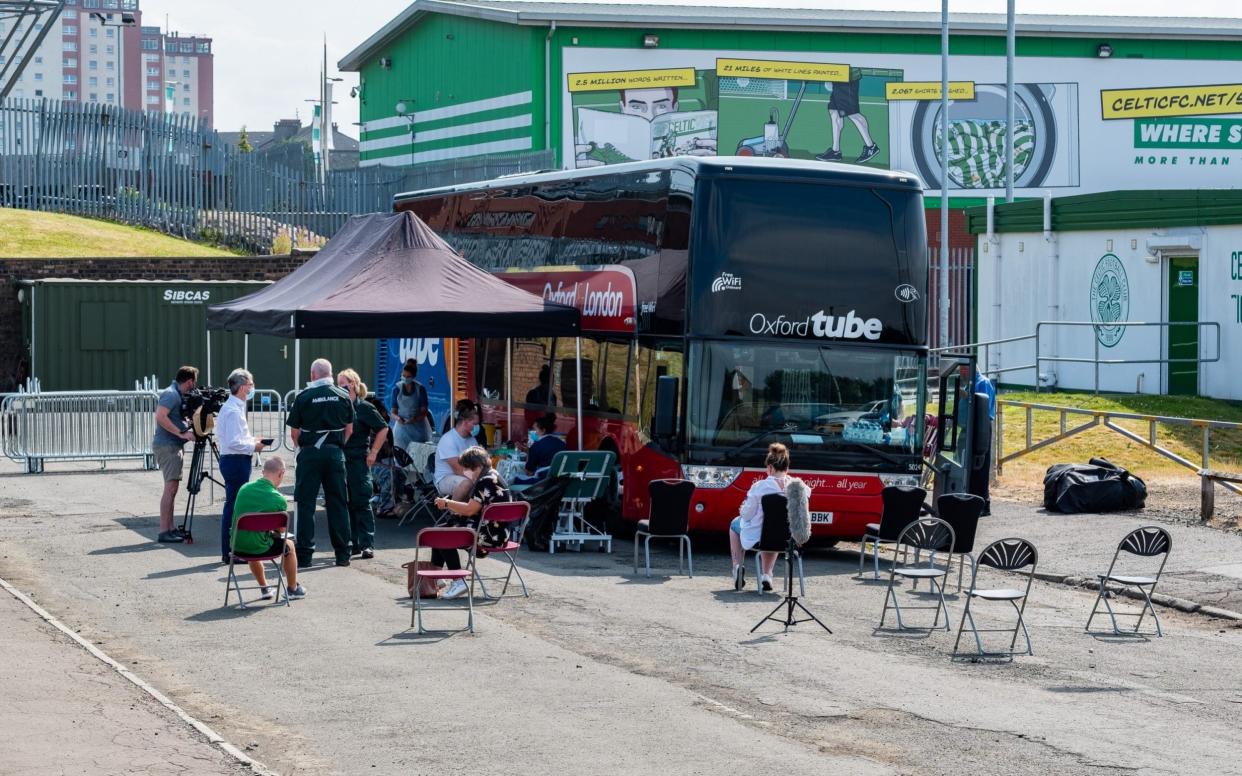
point(844, 408)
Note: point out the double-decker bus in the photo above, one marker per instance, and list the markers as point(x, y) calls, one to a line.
point(727, 303)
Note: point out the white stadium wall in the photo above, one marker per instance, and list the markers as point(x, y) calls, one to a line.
point(1061, 279)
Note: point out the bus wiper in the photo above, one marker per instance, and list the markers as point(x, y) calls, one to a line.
point(884, 454)
point(749, 443)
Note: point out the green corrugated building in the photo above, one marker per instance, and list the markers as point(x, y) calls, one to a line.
point(1102, 103)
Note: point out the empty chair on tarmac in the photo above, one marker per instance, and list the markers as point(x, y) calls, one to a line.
point(902, 505)
point(1146, 542)
point(450, 540)
point(1009, 555)
point(962, 511)
point(931, 535)
point(670, 519)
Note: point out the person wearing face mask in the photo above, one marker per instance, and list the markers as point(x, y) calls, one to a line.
point(409, 408)
point(544, 444)
point(361, 450)
point(236, 448)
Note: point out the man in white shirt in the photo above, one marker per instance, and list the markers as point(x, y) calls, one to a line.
point(236, 446)
point(451, 479)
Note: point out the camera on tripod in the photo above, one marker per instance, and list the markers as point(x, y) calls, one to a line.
point(200, 407)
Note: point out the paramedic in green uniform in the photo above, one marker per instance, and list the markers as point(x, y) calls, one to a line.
point(359, 458)
point(320, 421)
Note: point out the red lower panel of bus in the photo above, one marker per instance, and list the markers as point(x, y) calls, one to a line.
point(841, 504)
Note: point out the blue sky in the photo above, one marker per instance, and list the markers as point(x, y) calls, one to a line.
point(267, 53)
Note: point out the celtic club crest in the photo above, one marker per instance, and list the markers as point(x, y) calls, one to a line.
point(1110, 300)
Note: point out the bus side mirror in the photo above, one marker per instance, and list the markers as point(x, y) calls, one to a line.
point(664, 425)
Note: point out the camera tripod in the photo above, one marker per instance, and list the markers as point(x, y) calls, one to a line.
point(195, 481)
point(791, 601)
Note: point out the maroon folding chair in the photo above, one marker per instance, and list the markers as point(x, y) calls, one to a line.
point(264, 522)
point(514, 515)
point(446, 539)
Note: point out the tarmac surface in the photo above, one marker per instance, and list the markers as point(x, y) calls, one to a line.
point(599, 671)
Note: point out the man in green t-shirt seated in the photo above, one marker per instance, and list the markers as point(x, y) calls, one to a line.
point(261, 495)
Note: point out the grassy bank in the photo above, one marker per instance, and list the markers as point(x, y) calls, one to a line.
point(37, 235)
point(1186, 441)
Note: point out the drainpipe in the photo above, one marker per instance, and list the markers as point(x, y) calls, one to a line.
point(1054, 296)
point(547, 87)
point(995, 243)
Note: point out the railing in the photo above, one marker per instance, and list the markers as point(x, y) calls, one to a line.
point(77, 426)
point(166, 172)
point(1107, 419)
point(986, 361)
point(103, 426)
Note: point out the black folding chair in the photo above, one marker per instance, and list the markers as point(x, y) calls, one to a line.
point(930, 535)
point(419, 475)
point(670, 519)
point(774, 537)
point(902, 505)
point(1004, 555)
point(1146, 542)
point(962, 511)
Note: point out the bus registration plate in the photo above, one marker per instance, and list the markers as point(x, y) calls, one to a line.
point(821, 518)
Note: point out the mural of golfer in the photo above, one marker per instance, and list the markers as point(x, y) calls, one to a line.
point(842, 105)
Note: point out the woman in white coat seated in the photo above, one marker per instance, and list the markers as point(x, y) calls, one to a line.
point(746, 528)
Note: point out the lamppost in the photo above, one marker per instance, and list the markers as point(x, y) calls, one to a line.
point(127, 19)
point(405, 109)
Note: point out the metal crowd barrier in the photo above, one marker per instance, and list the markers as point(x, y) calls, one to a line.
point(77, 426)
point(265, 414)
point(286, 403)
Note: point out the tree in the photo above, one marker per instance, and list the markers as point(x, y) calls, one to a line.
point(243, 141)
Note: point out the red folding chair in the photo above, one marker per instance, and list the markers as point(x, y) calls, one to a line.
point(264, 522)
point(446, 539)
point(513, 514)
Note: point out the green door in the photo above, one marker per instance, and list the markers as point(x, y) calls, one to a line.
point(1183, 377)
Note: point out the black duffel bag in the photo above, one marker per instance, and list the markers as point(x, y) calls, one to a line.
point(1098, 486)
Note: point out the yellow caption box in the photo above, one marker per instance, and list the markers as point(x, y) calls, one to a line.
point(1171, 101)
point(792, 71)
point(631, 79)
point(928, 90)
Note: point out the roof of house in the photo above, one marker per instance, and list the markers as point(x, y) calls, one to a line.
point(261, 140)
point(524, 12)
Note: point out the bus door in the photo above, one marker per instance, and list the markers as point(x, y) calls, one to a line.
point(953, 453)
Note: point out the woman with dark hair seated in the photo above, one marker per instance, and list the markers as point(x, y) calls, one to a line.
point(488, 488)
point(544, 444)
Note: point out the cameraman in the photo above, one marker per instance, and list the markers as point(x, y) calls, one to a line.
point(171, 434)
point(236, 447)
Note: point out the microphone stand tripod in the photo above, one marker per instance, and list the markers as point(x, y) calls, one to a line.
point(791, 601)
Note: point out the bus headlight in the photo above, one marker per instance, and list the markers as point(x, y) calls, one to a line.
point(909, 480)
point(711, 476)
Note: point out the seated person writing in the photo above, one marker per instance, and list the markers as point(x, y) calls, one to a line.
point(486, 487)
point(747, 527)
point(544, 444)
point(450, 477)
point(262, 495)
